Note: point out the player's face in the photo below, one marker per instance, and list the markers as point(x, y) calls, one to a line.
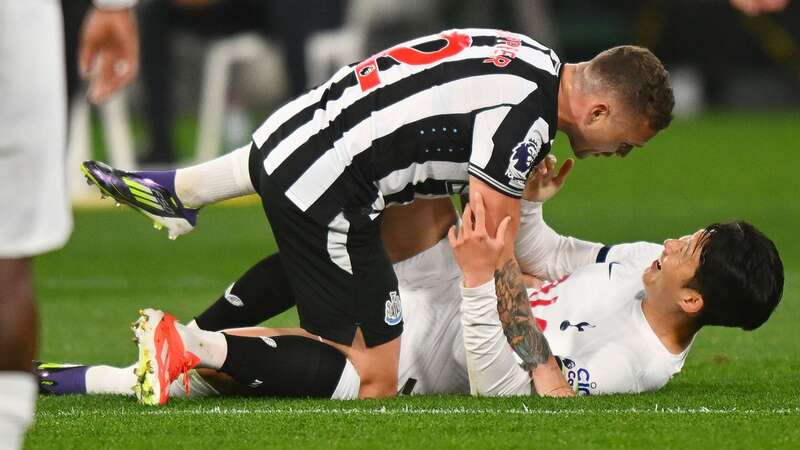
point(604, 133)
point(667, 276)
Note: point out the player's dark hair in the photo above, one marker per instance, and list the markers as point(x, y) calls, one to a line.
point(740, 276)
point(641, 81)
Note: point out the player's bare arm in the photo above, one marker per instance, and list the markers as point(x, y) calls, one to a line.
point(409, 230)
point(496, 206)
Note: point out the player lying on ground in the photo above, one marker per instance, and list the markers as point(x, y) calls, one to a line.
point(623, 324)
point(423, 119)
point(622, 321)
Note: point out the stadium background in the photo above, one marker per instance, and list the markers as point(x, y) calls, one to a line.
point(730, 154)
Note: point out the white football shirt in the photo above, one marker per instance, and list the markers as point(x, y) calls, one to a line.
point(592, 320)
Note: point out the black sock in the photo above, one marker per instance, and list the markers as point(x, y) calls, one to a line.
point(261, 293)
point(283, 366)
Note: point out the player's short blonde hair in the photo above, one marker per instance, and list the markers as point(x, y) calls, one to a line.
point(639, 78)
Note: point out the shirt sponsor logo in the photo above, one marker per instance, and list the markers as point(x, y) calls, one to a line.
point(394, 310)
point(578, 378)
point(505, 50)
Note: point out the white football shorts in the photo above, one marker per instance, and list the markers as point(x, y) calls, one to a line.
point(432, 349)
point(35, 215)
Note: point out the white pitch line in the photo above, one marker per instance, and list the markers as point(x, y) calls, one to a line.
point(657, 410)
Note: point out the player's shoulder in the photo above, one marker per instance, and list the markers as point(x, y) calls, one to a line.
point(631, 253)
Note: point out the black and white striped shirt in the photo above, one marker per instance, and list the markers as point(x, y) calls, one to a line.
point(414, 121)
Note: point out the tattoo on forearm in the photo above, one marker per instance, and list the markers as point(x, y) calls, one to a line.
point(519, 326)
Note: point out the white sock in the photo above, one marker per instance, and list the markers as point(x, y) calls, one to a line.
point(210, 346)
point(110, 380)
point(198, 387)
point(17, 404)
point(219, 179)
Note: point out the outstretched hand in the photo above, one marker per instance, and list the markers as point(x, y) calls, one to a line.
point(549, 381)
point(109, 52)
point(476, 252)
point(544, 182)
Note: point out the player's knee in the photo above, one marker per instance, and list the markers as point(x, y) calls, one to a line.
point(378, 386)
point(377, 380)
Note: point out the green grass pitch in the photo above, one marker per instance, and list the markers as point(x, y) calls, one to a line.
point(737, 390)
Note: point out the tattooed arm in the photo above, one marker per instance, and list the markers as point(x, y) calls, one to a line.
point(524, 335)
point(521, 330)
point(492, 369)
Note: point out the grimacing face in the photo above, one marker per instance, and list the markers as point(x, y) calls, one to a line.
point(667, 276)
point(606, 132)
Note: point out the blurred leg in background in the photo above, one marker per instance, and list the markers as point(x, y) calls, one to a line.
point(288, 22)
point(36, 216)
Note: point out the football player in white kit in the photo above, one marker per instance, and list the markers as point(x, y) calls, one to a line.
point(607, 334)
point(618, 319)
point(36, 216)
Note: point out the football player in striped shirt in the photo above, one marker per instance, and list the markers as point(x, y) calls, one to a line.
point(428, 118)
point(620, 318)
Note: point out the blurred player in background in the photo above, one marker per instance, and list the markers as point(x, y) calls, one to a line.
point(275, 19)
point(33, 195)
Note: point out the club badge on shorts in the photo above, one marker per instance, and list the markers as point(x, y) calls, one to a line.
point(525, 152)
point(394, 311)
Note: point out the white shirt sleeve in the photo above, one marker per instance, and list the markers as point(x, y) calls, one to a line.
point(543, 253)
point(492, 365)
point(640, 253)
point(114, 4)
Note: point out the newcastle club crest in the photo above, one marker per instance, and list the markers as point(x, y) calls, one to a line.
point(394, 310)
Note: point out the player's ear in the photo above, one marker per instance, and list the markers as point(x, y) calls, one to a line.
point(691, 301)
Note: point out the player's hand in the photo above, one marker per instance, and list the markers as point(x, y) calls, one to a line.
point(476, 252)
point(756, 7)
point(109, 51)
point(544, 182)
point(532, 282)
point(549, 381)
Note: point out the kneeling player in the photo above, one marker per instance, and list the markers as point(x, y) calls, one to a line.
point(616, 325)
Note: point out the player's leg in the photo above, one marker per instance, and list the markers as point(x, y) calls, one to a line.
point(260, 294)
point(377, 366)
point(375, 308)
point(280, 365)
point(18, 332)
point(299, 359)
point(35, 212)
point(172, 198)
point(344, 284)
point(76, 379)
point(68, 379)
